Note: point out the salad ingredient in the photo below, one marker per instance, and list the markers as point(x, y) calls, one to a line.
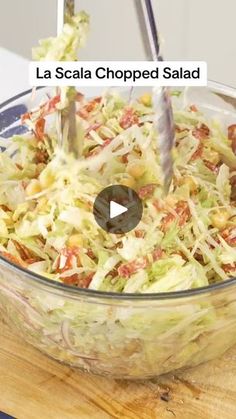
point(232, 136)
point(50, 204)
point(146, 99)
point(219, 218)
point(66, 46)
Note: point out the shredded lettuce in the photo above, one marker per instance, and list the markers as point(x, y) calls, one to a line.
point(65, 47)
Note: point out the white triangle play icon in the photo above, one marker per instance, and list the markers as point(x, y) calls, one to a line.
point(116, 209)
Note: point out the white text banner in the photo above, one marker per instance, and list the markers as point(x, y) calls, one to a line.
point(118, 73)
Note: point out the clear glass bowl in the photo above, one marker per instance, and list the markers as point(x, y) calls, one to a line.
point(123, 336)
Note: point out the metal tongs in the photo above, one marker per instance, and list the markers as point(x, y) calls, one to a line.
point(163, 111)
point(164, 121)
point(66, 119)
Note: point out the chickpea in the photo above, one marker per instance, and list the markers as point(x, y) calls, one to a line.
point(46, 179)
point(75, 240)
point(136, 169)
point(190, 182)
point(33, 187)
point(146, 99)
point(214, 157)
point(42, 202)
point(171, 201)
point(219, 218)
point(8, 221)
point(128, 181)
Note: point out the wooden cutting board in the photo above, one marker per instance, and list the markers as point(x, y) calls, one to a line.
point(33, 386)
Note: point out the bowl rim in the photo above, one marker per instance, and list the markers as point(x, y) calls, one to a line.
point(86, 292)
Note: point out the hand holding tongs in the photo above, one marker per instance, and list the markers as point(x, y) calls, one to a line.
point(164, 121)
point(67, 118)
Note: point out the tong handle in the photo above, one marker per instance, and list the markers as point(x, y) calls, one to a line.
point(64, 8)
point(68, 119)
point(149, 31)
point(164, 121)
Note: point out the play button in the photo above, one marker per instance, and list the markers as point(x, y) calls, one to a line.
point(118, 209)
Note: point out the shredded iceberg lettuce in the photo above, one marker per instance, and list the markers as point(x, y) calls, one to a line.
point(65, 47)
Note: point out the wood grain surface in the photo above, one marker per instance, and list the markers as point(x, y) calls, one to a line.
point(35, 387)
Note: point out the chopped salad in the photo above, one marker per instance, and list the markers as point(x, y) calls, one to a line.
point(184, 240)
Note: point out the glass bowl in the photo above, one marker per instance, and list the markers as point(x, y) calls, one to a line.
point(129, 336)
